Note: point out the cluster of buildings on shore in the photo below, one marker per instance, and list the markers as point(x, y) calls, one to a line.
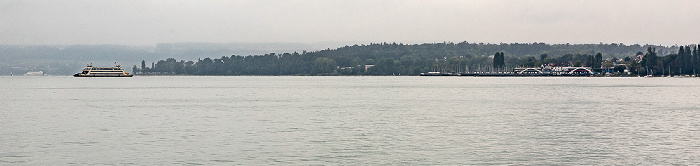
point(541, 71)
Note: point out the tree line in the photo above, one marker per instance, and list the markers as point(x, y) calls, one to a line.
point(402, 59)
point(684, 62)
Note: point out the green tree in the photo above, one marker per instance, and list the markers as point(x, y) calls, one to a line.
point(143, 64)
point(496, 64)
point(323, 65)
point(634, 66)
point(687, 61)
point(134, 69)
point(650, 60)
point(590, 61)
point(190, 68)
point(499, 61)
point(597, 62)
point(543, 57)
point(530, 62)
point(696, 59)
point(681, 59)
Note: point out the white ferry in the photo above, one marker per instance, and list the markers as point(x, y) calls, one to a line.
point(35, 73)
point(91, 71)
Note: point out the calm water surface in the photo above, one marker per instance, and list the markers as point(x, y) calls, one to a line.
point(349, 121)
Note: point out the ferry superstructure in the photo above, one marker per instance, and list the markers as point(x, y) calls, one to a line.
point(91, 71)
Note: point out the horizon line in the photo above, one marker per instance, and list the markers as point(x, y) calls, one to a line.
point(354, 43)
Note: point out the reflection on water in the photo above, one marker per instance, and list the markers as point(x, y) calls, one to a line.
point(349, 120)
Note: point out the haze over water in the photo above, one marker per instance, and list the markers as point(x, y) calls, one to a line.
point(349, 120)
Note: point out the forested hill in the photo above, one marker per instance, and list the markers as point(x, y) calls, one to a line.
point(394, 59)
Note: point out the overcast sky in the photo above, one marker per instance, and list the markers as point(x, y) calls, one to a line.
point(148, 22)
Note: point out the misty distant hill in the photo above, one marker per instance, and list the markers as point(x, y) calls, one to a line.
point(199, 50)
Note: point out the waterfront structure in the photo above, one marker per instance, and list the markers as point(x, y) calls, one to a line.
point(523, 72)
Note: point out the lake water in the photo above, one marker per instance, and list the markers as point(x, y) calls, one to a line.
point(349, 121)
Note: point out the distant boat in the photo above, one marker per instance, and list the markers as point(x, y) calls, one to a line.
point(91, 71)
point(34, 73)
point(435, 73)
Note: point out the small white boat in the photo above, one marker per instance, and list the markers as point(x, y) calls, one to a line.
point(35, 73)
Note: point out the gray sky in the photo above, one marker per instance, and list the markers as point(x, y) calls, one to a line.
point(148, 22)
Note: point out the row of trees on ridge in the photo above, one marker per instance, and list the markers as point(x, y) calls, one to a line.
point(400, 59)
